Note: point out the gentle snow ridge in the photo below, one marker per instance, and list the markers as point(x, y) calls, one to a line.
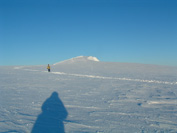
point(79, 59)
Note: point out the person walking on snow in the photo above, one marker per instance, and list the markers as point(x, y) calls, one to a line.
point(48, 67)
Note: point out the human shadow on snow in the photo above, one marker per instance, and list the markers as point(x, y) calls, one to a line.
point(52, 116)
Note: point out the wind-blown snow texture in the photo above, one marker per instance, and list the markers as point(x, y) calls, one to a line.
point(82, 95)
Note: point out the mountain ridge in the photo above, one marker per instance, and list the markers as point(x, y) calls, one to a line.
point(79, 59)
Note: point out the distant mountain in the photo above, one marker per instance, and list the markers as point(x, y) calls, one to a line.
point(78, 59)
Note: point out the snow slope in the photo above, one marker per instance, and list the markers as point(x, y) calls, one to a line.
point(82, 95)
point(78, 59)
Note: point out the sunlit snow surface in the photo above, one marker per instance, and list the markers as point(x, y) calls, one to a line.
point(88, 97)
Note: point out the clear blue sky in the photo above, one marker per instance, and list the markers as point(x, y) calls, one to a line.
point(34, 32)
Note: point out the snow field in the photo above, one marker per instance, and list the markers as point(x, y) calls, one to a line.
point(97, 100)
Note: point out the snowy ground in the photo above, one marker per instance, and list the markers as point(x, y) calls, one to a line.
point(87, 96)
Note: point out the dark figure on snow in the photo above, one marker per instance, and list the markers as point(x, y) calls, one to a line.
point(52, 116)
point(48, 67)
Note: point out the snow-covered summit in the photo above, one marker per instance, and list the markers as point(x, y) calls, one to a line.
point(79, 59)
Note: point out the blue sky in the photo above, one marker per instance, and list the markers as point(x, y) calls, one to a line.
point(34, 32)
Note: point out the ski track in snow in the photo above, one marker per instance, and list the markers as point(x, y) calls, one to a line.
point(113, 78)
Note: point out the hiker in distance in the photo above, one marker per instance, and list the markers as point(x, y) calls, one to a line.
point(48, 67)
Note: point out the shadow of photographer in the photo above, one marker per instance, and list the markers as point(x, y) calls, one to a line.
point(52, 116)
